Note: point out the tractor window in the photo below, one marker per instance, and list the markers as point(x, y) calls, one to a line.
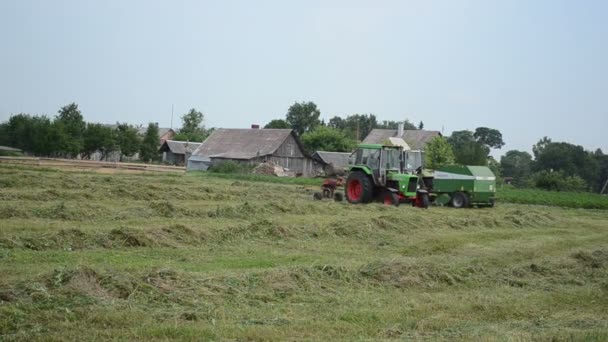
point(373, 160)
point(392, 159)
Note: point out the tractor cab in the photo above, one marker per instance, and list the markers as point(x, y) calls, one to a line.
point(381, 172)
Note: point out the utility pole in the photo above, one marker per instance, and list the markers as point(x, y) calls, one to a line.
point(604, 187)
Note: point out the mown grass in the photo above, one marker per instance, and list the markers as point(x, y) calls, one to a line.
point(85, 256)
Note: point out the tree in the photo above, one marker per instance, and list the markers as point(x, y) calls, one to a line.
point(98, 137)
point(571, 159)
point(538, 148)
point(492, 138)
point(277, 124)
point(192, 122)
point(337, 123)
point(127, 139)
point(516, 164)
point(327, 139)
point(148, 150)
point(421, 125)
point(438, 152)
point(303, 117)
point(407, 125)
point(358, 126)
point(467, 150)
point(74, 126)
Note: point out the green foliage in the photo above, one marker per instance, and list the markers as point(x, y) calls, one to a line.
point(407, 125)
point(554, 198)
point(229, 167)
point(148, 150)
point(570, 159)
point(193, 128)
point(438, 152)
point(467, 150)
point(421, 125)
point(98, 137)
point(127, 139)
point(303, 117)
point(492, 138)
point(326, 139)
point(72, 122)
point(558, 181)
point(278, 124)
point(516, 164)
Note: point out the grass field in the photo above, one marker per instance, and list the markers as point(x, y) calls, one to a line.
point(86, 256)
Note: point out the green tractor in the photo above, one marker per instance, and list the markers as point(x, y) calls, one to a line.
point(381, 172)
point(391, 175)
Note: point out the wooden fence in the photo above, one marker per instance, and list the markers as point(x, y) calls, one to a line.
point(77, 164)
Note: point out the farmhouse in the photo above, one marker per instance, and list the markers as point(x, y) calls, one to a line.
point(415, 138)
point(334, 162)
point(177, 152)
point(254, 146)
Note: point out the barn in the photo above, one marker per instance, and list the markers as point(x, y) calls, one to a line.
point(335, 163)
point(177, 152)
point(254, 146)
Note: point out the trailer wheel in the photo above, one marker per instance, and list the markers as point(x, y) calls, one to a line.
point(338, 197)
point(326, 193)
point(359, 188)
point(317, 196)
point(424, 201)
point(460, 200)
point(390, 198)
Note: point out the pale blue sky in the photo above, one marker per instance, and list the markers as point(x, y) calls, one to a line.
point(528, 68)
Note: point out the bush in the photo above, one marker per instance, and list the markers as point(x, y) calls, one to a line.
point(558, 181)
point(230, 166)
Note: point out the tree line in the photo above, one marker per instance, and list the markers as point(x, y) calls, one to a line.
point(67, 135)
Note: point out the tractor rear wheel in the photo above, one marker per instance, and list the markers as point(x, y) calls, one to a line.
point(359, 188)
point(460, 200)
point(390, 198)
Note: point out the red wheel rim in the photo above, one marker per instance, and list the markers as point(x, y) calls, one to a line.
point(355, 189)
point(388, 199)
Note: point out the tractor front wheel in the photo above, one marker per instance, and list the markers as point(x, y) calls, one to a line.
point(460, 200)
point(390, 198)
point(359, 188)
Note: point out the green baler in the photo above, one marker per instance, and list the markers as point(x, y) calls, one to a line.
point(463, 186)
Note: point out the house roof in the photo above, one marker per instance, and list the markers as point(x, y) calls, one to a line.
point(242, 143)
point(415, 138)
point(179, 147)
point(161, 131)
point(337, 159)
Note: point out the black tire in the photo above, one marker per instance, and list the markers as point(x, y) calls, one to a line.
point(317, 196)
point(390, 198)
point(359, 188)
point(338, 196)
point(424, 201)
point(459, 200)
point(326, 193)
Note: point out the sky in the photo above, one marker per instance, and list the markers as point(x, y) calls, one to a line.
point(527, 68)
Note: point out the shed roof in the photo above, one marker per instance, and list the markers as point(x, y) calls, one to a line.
point(236, 143)
point(337, 159)
point(415, 138)
point(179, 147)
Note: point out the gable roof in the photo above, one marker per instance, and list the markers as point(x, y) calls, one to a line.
point(179, 147)
point(236, 143)
point(161, 131)
point(337, 159)
point(416, 138)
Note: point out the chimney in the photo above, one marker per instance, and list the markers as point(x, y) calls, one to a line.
point(255, 126)
point(400, 130)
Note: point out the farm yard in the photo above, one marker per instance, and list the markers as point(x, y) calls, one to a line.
point(89, 256)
